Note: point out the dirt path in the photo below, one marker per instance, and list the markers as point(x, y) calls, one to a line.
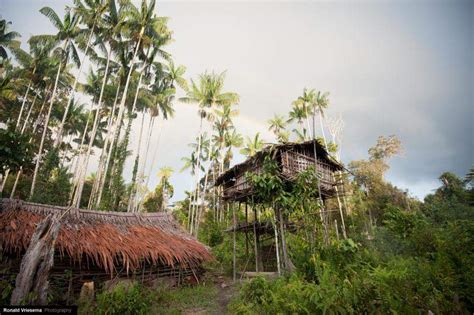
point(226, 291)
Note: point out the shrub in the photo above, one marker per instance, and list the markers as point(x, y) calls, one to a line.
point(124, 300)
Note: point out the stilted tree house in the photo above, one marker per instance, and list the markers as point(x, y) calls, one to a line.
point(292, 159)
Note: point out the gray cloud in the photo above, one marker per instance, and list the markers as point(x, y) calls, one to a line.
point(392, 67)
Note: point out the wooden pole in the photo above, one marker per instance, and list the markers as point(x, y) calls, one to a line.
point(246, 231)
point(277, 245)
point(255, 238)
point(286, 259)
point(234, 265)
point(337, 231)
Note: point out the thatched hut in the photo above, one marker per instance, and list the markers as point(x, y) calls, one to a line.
point(292, 159)
point(98, 245)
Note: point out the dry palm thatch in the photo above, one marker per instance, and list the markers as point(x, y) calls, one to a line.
point(108, 239)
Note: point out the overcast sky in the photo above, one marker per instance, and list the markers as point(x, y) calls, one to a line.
point(391, 67)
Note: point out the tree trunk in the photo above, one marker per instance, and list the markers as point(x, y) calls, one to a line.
point(133, 190)
point(203, 197)
point(28, 114)
point(277, 246)
point(118, 120)
point(322, 130)
point(286, 259)
point(103, 156)
point(36, 263)
point(141, 173)
point(196, 179)
point(45, 129)
point(73, 92)
point(321, 204)
point(137, 153)
point(93, 135)
point(79, 163)
point(23, 105)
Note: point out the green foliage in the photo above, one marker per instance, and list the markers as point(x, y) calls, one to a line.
point(53, 186)
point(15, 150)
point(125, 300)
point(416, 260)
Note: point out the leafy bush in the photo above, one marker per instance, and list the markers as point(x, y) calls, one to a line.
point(124, 300)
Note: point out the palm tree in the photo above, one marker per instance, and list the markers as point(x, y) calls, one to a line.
point(223, 126)
point(307, 102)
point(89, 12)
point(166, 188)
point(33, 68)
point(207, 94)
point(278, 125)
point(67, 31)
point(7, 40)
point(252, 146)
point(298, 115)
point(322, 102)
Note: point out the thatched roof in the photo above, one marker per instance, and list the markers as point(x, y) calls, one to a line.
point(108, 239)
point(242, 167)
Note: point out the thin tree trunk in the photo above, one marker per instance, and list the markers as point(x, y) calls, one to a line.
point(322, 129)
point(118, 121)
point(93, 135)
point(151, 164)
point(277, 246)
point(196, 180)
point(203, 197)
point(102, 160)
point(18, 174)
point(287, 262)
point(321, 204)
point(40, 151)
point(141, 172)
point(78, 167)
point(23, 104)
point(73, 92)
point(133, 190)
point(28, 114)
point(307, 121)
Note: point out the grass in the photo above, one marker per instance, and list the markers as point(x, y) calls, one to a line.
point(185, 299)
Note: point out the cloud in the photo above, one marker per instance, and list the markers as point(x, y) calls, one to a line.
point(403, 68)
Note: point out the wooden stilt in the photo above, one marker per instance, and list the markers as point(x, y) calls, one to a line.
point(234, 264)
point(246, 232)
point(255, 239)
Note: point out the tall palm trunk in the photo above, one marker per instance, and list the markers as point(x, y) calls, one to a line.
point(38, 118)
point(12, 193)
point(25, 97)
point(203, 198)
point(45, 129)
point(321, 203)
point(121, 111)
point(93, 135)
point(307, 121)
point(28, 114)
point(141, 172)
point(59, 135)
point(196, 179)
point(102, 160)
point(133, 189)
point(153, 157)
point(322, 129)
